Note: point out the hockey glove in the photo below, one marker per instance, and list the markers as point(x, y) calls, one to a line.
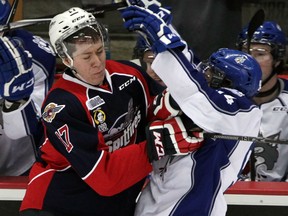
point(16, 76)
point(153, 27)
point(164, 106)
point(170, 138)
point(155, 7)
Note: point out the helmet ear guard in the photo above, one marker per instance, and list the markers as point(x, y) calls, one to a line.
point(236, 69)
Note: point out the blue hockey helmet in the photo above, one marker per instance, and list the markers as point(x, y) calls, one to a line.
point(269, 33)
point(5, 8)
point(241, 70)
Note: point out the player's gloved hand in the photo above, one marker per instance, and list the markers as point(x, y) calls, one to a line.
point(164, 106)
point(16, 76)
point(155, 7)
point(153, 27)
point(171, 138)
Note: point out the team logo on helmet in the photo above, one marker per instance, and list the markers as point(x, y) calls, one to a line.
point(50, 111)
point(239, 59)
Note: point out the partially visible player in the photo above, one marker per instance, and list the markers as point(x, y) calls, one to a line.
point(268, 47)
point(94, 158)
point(194, 184)
point(27, 66)
point(144, 56)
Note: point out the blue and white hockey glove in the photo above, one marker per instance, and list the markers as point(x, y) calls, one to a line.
point(155, 7)
point(153, 27)
point(170, 137)
point(16, 76)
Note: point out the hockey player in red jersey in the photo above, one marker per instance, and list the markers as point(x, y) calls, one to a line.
point(94, 159)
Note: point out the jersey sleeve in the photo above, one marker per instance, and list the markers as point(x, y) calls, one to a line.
point(220, 111)
point(27, 118)
point(70, 130)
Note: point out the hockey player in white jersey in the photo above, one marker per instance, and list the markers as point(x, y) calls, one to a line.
point(27, 65)
point(267, 46)
point(194, 184)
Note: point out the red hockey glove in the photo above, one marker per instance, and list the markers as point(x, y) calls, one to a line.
point(171, 138)
point(164, 106)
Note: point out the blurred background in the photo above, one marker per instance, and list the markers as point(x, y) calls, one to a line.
point(205, 24)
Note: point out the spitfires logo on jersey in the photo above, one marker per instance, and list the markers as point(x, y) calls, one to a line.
point(50, 111)
point(123, 130)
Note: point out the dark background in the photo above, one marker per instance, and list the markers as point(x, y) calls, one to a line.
point(205, 24)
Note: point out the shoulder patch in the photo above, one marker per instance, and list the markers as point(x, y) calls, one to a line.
point(50, 111)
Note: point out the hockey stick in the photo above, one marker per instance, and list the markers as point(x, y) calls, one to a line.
point(28, 22)
point(11, 15)
point(256, 21)
point(23, 23)
point(12, 12)
point(105, 8)
point(98, 9)
point(244, 138)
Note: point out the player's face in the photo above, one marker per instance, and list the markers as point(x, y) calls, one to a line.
point(89, 62)
point(262, 53)
point(148, 58)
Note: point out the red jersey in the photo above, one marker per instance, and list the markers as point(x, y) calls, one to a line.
point(91, 164)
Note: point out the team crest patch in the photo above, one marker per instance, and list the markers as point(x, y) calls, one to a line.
point(50, 111)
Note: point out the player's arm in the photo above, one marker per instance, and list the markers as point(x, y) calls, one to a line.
point(207, 107)
point(187, 86)
point(43, 63)
point(16, 87)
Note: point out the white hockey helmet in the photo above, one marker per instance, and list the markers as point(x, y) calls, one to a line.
point(69, 23)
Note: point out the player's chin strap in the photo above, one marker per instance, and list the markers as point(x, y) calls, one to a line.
point(271, 90)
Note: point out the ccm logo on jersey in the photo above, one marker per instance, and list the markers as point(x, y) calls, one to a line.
point(158, 144)
point(280, 109)
point(127, 83)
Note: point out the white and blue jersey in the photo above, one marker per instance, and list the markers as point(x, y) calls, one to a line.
point(20, 128)
point(271, 159)
point(195, 184)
